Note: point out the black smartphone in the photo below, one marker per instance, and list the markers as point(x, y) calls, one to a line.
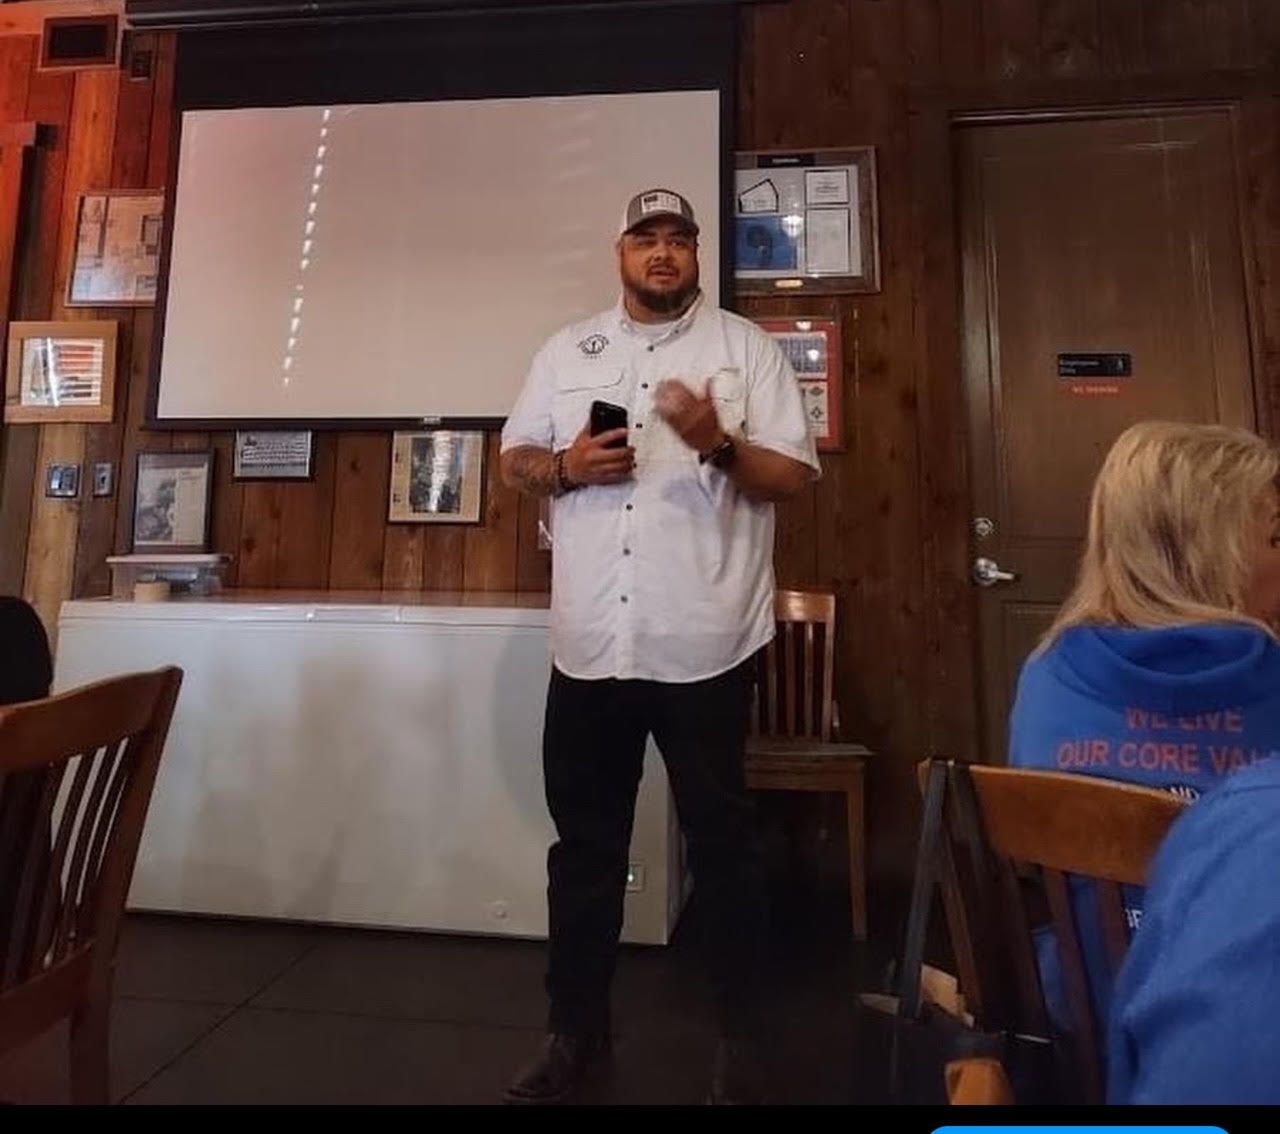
point(606, 416)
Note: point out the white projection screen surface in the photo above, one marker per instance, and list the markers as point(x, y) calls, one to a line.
point(405, 260)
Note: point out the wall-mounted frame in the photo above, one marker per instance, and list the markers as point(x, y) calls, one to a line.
point(437, 477)
point(273, 455)
point(85, 40)
point(116, 254)
point(805, 221)
point(171, 501)
point(64, 371)
point(812, 344)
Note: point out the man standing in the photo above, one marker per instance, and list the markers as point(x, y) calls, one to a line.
point(661, 596)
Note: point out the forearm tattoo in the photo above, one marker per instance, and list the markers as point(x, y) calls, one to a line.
point(533, 469)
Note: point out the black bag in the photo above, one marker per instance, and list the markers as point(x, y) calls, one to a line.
point(903, 1043)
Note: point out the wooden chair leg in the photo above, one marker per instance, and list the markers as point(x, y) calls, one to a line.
point(853, 795)
point(90, 1054)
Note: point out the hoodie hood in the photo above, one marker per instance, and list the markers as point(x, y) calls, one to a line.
point(1175, 669)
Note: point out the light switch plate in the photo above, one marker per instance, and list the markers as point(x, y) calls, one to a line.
point(62, 481)
point(103, 478)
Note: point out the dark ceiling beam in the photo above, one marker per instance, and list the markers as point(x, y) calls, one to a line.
point(193, 15)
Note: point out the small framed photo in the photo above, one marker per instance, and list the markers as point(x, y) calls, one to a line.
point(437, 477)
point(61, 372)
point(806, 222)
point(116, 255)
point(812, 346)
point(171, 501)
point(273, 455)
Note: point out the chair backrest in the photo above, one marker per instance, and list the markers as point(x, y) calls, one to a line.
point(1017, 838)
point(978, 1081)
point(795, 687)
point(87, 762)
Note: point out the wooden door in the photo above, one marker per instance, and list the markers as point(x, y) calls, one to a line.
point(1099, 237)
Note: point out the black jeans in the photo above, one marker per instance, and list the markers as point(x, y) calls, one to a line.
point(593, 757)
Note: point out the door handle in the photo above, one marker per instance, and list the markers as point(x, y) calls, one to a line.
point(987, 573)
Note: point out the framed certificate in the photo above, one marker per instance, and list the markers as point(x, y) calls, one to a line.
point(116, 255)
point(812, 346)
point(805, 221)
point(61, 372)
point(171, 501)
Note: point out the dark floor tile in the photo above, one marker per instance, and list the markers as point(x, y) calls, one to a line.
point(343, 1016)
point(655, 1069)
point(262, 1056)
point(811, 1058)
point(662, 990)
point(796, 1066)
point(145, 1035)
point(465, 980)
point(205, 960)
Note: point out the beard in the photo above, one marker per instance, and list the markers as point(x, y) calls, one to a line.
point(663, 302)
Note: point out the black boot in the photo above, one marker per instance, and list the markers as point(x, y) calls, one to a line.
point(737, 1075)
point(565, 1063)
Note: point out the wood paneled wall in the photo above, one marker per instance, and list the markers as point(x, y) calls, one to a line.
point(885, 527)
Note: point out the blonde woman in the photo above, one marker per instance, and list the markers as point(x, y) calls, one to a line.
point(1162, 668)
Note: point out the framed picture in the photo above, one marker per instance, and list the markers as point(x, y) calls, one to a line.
point(171, 501)
point(117, 249)
point(812, 346)
point(273, 455)
point(806, 221)
point(61, 372)
point(437, 477)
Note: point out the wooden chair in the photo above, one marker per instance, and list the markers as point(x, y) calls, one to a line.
point(99, 747)
point(1015, 837)
point(795, 726)
point(978, 1081)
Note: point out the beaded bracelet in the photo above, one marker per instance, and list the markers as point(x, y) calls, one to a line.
point(563, 483)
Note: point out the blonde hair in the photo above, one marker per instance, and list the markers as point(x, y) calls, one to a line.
point(1169, 528)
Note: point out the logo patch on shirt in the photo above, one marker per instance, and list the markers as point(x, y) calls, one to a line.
point(593, 345)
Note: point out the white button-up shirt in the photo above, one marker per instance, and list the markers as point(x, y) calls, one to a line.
point(669, 576)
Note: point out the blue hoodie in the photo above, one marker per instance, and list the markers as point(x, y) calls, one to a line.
point(1178, 708)
point(1196, 1015)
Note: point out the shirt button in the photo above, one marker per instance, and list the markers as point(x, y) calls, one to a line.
point(624, 598)
point(649, 348)
point(628, 507)
point(639, 424)
point(644, 385)
point(626, 551)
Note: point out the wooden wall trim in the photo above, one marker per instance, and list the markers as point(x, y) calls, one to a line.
point(18, 443)
point(1074, 93)
point(55, 524)
point(100, 516)
point(1257, 149)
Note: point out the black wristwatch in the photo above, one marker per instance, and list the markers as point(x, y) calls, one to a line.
point(722, 456)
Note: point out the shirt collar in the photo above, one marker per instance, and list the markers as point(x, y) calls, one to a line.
point(629, 325)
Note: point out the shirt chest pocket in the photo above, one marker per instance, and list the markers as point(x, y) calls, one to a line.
point(575, 391)
point(729, 393)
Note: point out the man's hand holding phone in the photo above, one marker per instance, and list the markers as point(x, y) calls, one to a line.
point(594, 460)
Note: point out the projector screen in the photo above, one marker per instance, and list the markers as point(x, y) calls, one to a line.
point(403, 261)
